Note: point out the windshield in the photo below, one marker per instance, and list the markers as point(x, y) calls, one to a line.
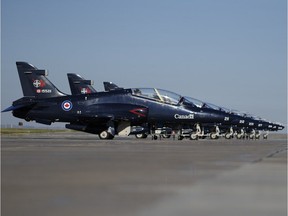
point(200, 104)
point(212, 106)
point(237, 112)
point(225, 110)
point(194, 101)
point(157, 94)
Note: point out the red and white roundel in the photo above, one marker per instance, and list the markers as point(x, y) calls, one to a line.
point(67, 105)
point(38, 83)
point(85, 91)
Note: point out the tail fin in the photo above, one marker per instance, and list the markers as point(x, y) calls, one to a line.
point(79, 85)
point(34, 82)
point(110, 86)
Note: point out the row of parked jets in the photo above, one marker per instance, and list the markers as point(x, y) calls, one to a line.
point(129, 111)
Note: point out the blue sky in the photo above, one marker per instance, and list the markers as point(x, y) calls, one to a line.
point(231, 53)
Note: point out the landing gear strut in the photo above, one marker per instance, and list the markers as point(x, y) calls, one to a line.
point(252, 134)
point(241, 134)
point(198, 133)
point(265, 135)
point(216, 134)
point(229, 134)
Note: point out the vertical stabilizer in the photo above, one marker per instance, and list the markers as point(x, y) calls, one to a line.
point(110, 86)
point(78, 85)
point(35, 83)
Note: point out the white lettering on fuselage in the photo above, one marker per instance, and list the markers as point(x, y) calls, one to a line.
point(178, 116)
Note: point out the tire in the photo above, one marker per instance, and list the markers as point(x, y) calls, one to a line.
point(239, 136)
point(141, 136)
point(166, 136)
point(104, 135)
point(213, 136)
point(193, 136)
point(228, 136)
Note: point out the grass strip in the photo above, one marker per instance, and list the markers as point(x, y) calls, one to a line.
point(30, 130)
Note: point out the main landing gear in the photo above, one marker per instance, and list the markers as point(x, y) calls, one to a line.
point(240, 135)
point(107, 134)
point(198, 133)
point(229, 134)
point(216, 133)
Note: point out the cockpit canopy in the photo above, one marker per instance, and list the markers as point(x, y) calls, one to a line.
point(200, 104)
point(192, 102)
point(158, 95)
point(172, 98)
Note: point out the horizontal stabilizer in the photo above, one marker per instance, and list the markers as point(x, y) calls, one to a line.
point(11, 108)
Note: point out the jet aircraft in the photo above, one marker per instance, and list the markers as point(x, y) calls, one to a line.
point(207, 117)
point(234, 123)
point(120, 111)
point(241, 126)
point(102, 113)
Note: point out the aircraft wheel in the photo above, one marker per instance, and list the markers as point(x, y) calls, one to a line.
point(239, 136)
point(257, 136)
point(154, 137)
point(228, 136)
point(251, 136)
point(104, 135)
point(141, 136)
point(213, 136)
point(265, 136)
point(193, 136)
point(166, 136)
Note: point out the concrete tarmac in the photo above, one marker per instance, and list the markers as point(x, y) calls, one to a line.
point(71, 174)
